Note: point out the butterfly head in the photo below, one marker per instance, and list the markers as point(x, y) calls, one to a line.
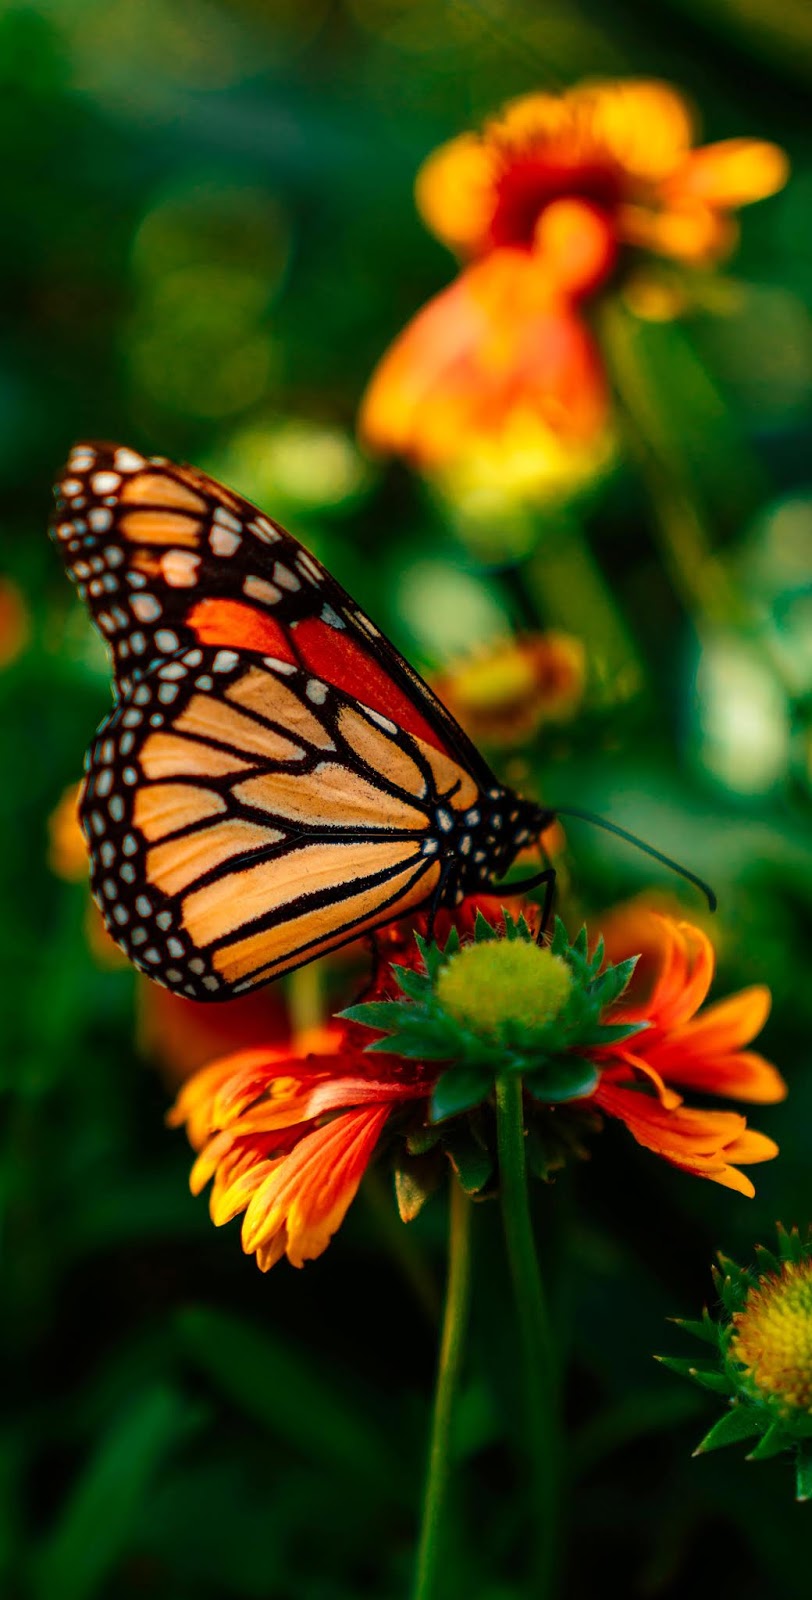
point(482, 843)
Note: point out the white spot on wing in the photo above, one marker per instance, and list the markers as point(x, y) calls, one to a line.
point(332, 617)
point(265, 530)
point(260, 589)
point(146, 607)
point(128, 461)
point(227, 519)
point(278, 666)
point(286, 578)
point(224, 541)
point(382, 721)
point(179, 568)
point(105, 482)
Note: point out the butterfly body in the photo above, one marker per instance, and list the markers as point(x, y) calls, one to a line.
point(273, 778)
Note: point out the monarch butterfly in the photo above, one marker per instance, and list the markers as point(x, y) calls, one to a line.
point(274, 778)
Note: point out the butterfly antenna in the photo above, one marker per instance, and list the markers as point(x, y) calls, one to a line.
point(648, 849)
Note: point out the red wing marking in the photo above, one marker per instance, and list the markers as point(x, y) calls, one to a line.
point(342, 661)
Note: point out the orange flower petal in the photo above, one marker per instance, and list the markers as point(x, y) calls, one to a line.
point(497, 343)
point(645, 125)
point(306, 1196)
point(691, 232)
point(728, 1024)
point(742, 1075)
point(687, 975)
point(731, 173)
point(638, 1068)
point(454, 191)
point(67, 854)
point(698, 1141)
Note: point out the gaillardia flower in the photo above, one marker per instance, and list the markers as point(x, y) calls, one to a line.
point(762, 1354)
point(559, 197)
point(286, 1131)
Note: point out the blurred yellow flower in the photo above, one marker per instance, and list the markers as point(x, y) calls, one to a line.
point(559, 197)
point(502, 695)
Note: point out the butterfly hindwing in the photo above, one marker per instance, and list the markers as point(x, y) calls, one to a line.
point(238, 826)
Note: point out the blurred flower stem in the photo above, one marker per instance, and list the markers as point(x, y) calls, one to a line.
point(305, 999)
point(540, 1390)
point(695, 571)
point(429, 1583)
point(698, 575)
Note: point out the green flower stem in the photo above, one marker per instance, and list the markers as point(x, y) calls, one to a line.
point(537, 1345)
point(428, 1584)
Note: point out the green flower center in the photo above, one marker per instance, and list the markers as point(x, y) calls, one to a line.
point(773, 1338)
point(489, 986)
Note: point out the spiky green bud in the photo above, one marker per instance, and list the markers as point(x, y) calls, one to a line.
point(762, 1355)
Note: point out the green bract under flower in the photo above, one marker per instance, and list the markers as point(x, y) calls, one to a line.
point(503, 1004)
point(762, 1355)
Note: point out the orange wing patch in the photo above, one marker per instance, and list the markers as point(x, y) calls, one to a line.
point(267, 955)
point(380, 752)
point(213, 719)
point(268, 697)
point(160, 527)
point(170, 755)
point(453, 782)
point(332, 796)
point(164, 808)
point(232, 623)
point(215, 911)
point(158, 489)
point(177, 863)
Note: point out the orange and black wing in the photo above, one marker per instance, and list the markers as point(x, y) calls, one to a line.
point(273, 778)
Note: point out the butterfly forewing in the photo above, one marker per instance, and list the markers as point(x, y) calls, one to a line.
point(165, 558)
point(274, 778)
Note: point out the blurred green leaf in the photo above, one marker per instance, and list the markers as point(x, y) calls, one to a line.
point(285, 1394)
point(105, 1508)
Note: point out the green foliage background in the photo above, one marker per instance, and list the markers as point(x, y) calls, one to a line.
point(208, 237)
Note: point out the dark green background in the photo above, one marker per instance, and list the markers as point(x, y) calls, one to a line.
point(208, 237)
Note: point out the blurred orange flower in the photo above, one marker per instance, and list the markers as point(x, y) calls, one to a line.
point(182, 1035)
point(502, 695)
point(67, 852)
point(549, 203)
point(499, 358)
point(704, 1052)
point(15, 624)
